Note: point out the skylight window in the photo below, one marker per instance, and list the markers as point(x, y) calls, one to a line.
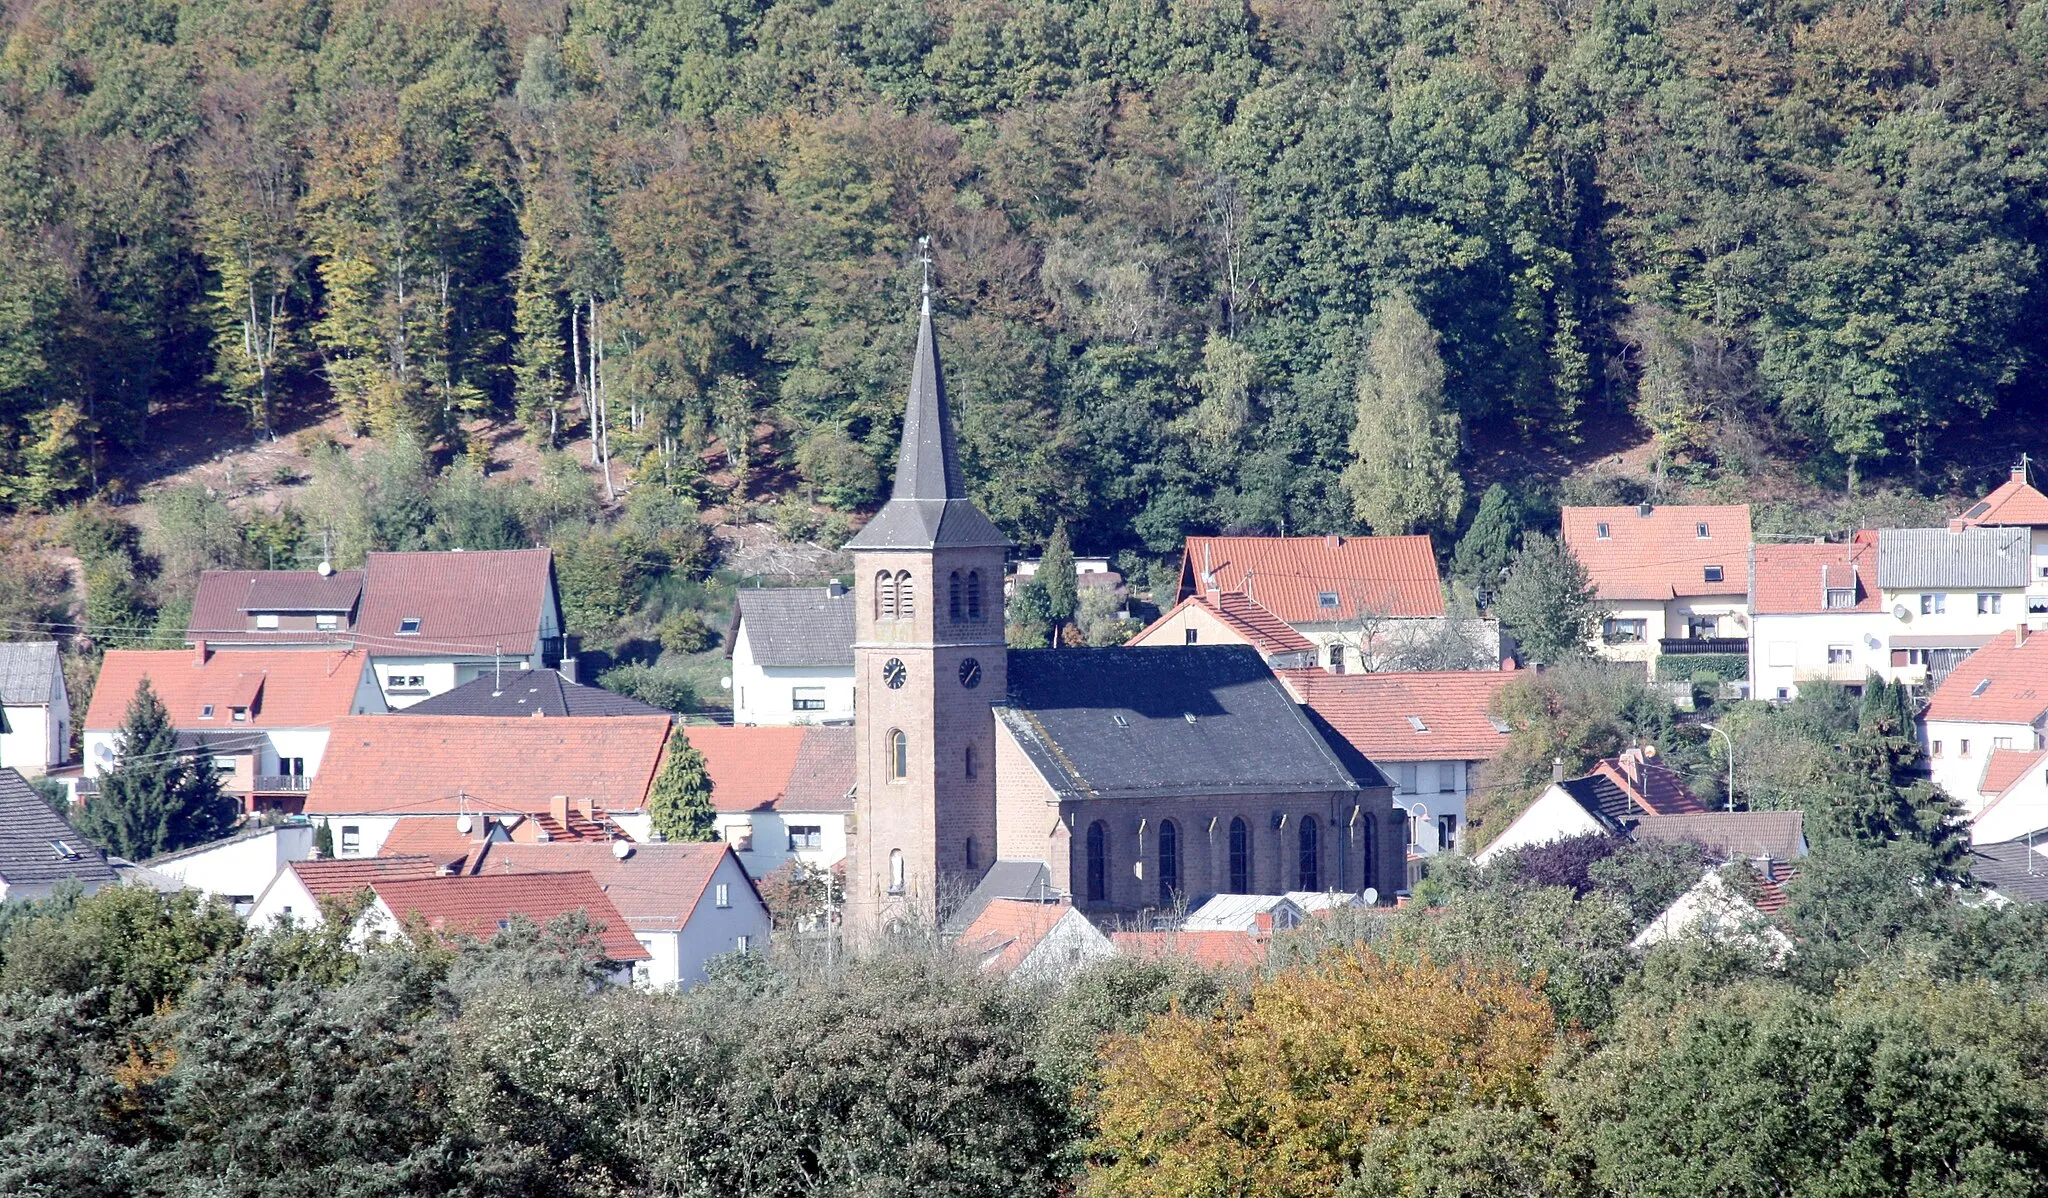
point(1119, 720)
point(1981, 688)
point(1701, 531)
point(206, 711)
point(1500, 725)
point(409, 626)
point(1713, 574)
point(1600, 530)
point(1326, 599)
point(1415, 722)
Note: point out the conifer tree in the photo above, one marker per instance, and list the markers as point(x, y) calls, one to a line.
point(681, 799)
point(1056, 572)
point(1488, 547)
point(1404, 444)
point(157, 799)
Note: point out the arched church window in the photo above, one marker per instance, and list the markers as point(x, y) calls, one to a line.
point(895, 871)
point(1368, 860)
point(905, 607)
point(885, 596)
point(973, 855)
point(1311, 854)
point(974, 595)
point(1240, 856)
point(1169, 863)
point(953, 607)
point(968, 760)
point(1098, 862)
point(899, 755)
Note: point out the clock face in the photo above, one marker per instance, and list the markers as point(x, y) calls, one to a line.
point(894, 674)
point(970, 673)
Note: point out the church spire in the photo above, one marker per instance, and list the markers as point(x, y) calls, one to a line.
point(928, 506)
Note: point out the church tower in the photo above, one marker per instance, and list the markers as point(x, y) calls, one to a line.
point(929, 659)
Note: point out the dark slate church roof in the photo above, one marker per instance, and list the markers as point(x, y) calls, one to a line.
point(795, 626)
point(530, 692)
point(37, 846)
point(1168, 722)
point(928, 508)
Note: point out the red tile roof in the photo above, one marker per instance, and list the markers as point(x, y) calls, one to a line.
point(1661, 556)
point(2007, 766)
point(465, 602)
point(1795, 579)
point(222, 605)
point(1655, 789)
point(2005, 682)
point(480, 906)
point(285, 688)
point(1252, 623)
point(777, 768)
point(1391, 576)
point(344, 876)
point(1770, 892)
point(2014, 502)
point(383, 764)
point(1212, 950)
point(1378, 713)
point(436, 838)
point(655, 887)
point(1006, 931)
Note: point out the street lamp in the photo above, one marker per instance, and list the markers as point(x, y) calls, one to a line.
point(1731, 761)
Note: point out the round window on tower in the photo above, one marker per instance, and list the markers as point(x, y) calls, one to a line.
point(970, 673)
point(894, 674)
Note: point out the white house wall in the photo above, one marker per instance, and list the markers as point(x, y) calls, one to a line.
point(766, 695)
point(241, 868)
point(712, 931)
point(1070, 945)
point(32, 743)
point(1786, 650)
point(1960, 774)
point(2020, 812)
point(1440, 788)
point(1554, 816)
point(287, 896)
point(767, 834)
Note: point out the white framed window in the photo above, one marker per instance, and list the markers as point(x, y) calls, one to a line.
point(206, 711)
point(807, 698)
point(1701, 532)
point(722, 895)
point(1191, 634)
point(2001, 742)
point(351, 838)
point(1934, 604)
point(1840, 655)
point(1712, 574)
point(409, 626)
point(239, 715)
point(1988, 603)
point(1937, 749)
point(1623, 632)
point(1600, 530)
point(1784, 693)
point(224, 763)
point(1840, 597)
point(1963, 748)
point(266, 620)
point(806, 836)
point(327, 623)
point(743, 943)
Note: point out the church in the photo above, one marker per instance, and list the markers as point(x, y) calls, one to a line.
point(1134, 779)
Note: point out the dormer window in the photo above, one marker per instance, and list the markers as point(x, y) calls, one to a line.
point(1841, 597)
point(1701, 531)
point(327, 623)
point(409, 626)
point(1713, 574)
point(239, 715)
point(267, 620)
point(206, 711)
point(1600, 530)
point(1327, 600)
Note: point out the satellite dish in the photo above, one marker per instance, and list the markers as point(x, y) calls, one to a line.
point(465, 823)
point(1371, 897)
point(326, 568)
point(622, 849)
point(1899, 612)
point(725, 683)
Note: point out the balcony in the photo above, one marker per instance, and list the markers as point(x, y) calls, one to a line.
point(1704, 644)
point(284, 784)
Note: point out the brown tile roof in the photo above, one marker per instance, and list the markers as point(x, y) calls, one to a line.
point(1655, 789)
point(383, 764)
point(480, 906)
point(2014, 502)
point(222, 605)
point(1795, 579)
point(1392, 576)
point(465, 602)
point(777, 768)
point(1729, 835)
point(655, 887)
point(285, 688)
point(1770, 892)
point(1252, 623)
point(2005, 682)
point(1378, 713)
point(1212, 950)
point(1006, 931)
point(436, 838)
point(2007, 766)
point(1661, 556)
point(343, 876)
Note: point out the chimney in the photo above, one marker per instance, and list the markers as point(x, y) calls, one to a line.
point(567, 669)
point(200, 652)
point(2019, 637)
point(1262, 923)
point(1208, 572)
point(1644, 510)
point(559, 808)
point(835, 589)
point(1557, 769)
point(1332, 541)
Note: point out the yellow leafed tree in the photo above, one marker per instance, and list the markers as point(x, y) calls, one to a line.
point(1282, 1094)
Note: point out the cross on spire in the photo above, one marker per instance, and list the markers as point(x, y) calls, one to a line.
point(924, 258)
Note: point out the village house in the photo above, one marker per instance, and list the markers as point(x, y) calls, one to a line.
point(1948, 591)
point(687, 904)
point(782, 793)
point(2018, 504)
point(300, 889)
point(792, 655)
point(1993, 702)
point(1230, 618)
point(478, 907)
point(1816, 616)
point(1355, 598)
point(1608, 801)
point(35, 708)
point(2012, 798)
point(433, 621)
point(276, 609)
point(1033, 942)
point(530, 693)
point(39, 849)
point(238, 868)
point(1673, 578)
point(1427, 733)
point(1717, 910)
point(381, 771)
point(1134, 776)
point(263, 714)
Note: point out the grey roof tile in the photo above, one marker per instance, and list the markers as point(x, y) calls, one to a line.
point(795, 626)
point(1026, 880)
point(28, 672)
point(529, 692)
point(33, 840)
point(1733, 834)
point(1164, 722)
point(2013, 868)
point(1934, 558)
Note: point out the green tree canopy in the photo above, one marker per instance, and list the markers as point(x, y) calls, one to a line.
point(1403, 442)
point(1548, 603)
point(158, 798)
point(680, 802)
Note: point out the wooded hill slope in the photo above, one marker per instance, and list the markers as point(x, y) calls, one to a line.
point(1166, 233)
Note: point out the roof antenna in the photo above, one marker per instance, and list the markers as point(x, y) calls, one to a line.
point(924, 257)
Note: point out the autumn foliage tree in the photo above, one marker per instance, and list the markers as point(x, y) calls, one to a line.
point(1291, 1090)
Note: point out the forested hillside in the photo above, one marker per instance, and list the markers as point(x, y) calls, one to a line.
point(1288, 265)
